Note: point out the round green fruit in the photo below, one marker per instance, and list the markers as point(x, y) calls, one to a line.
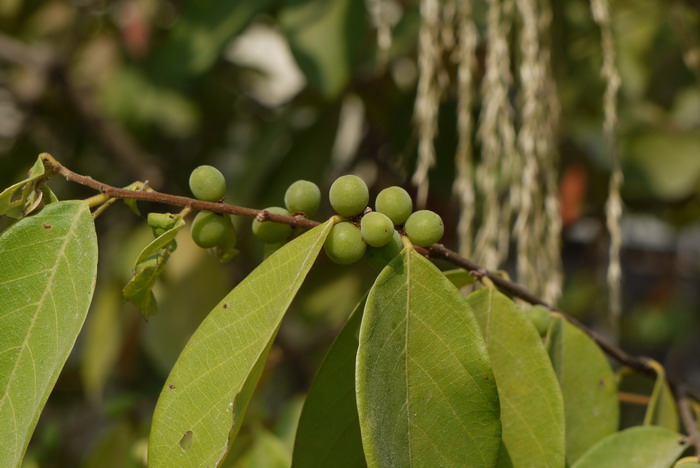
point(270, 232)
point(396, 203)
point(377, 229)
point(161, 222)
point(207, 183)
point(344, 244)
point(380, 256)
point(211, 230)
point(424, 228)
point(303, 197)
point(349, 195)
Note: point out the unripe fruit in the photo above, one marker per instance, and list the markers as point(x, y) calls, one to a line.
point(211, 230)
point(396, 203)
point(344, 244)
point(540, 317)
point(349, 195)
point(424, 228)
point(271, 232)
point(161, 222)
point(207, 183)
point(380, 256)
point(377, 229)
point(303, 197)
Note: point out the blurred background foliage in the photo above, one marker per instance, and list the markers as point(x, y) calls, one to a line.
point(271, 91)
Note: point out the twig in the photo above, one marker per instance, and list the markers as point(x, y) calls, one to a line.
point(153, 196)
point(638, 363)
point(689, 422)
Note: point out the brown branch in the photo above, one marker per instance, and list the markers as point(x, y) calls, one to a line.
point(153, 196)
point(638, 363)
point(687, 416)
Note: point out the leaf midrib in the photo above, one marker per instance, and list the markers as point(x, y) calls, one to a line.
point(15, 366)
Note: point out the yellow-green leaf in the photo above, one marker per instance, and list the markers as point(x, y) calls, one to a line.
point(204, 398)
point(662, 410)
point(636, 447)
point(588, 386)
point(48, 264)
point(102, 340)
point(459, 277)
point(425, 391)
point(329, 431)
point(532, 410)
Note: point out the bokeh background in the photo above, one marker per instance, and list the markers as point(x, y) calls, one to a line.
point(271, 91)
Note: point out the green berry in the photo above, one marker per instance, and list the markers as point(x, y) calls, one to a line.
point(540, 317)
point(271, 232)
point(349, 195)
point(344, 244)
point(207, 183)
point(212, 230)
point(303, 197)
point(424, 228)
point(161, 222)
point(396, 203)
point(377, 229)
point(380, 256)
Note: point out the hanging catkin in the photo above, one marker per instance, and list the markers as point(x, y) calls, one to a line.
point(379, 17)
point(496, 169)
point(537, 227)
point(465, 57)
point(552, 240)
point(431, 79)
point(613, 207)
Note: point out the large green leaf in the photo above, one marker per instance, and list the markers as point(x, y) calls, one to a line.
point(532, 411)
point(425, 391)
point(329, 430)
point(205, 396)
point(48, 264)
point(662, 410)
point(323, 37)
point(588, 385)
point(636, 447)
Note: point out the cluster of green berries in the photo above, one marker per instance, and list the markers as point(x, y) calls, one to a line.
point(302, 197)
point(347, 243)
point(210, 229)
point(375, 234)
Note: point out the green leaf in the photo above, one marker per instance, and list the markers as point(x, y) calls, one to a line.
point(102, 341)
point(28, 186)
point(48, 264)
point(161, 241)
point(207, 391)
point(636, 447)
point(688, 462)
point(425, 391)
point(532, 410)
point(323, 37)
point(139, 290)
point(329, 430)
point(268, 451)
point(149, 266)
point(588, 385)
point(459, 277)
point(662, 410)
